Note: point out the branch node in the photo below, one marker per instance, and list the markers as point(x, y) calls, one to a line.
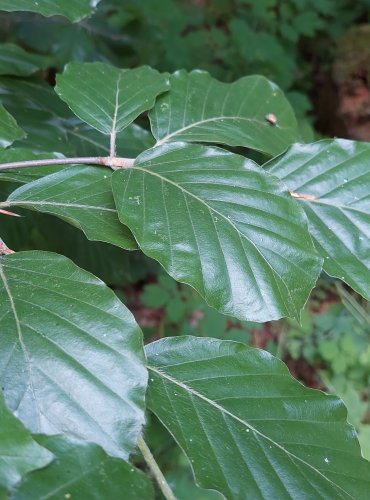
point(4, 250)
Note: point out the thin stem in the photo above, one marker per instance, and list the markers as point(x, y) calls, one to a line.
point(113, 144)
point(4, 250)
point(155, 470)
point(106, 161)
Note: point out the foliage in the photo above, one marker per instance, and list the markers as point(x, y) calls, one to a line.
point(336, 341)
point(180, 186)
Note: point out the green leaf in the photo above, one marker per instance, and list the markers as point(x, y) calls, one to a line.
point(336, 175)
point(112, 264)
point(75, 10)
point(109, 98)
point(51, 126)
point(83, 471)
point(218, 222)
point(73, 353)
point(80, 195)
point(9, 129)
point(19, 453)
point(201, 109)
point(248, 426)
point(16, 61)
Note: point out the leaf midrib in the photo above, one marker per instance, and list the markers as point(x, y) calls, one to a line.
point(207, 120)
point(240, 234)
point(20, 337)
point(58, 204)
point(244, 423)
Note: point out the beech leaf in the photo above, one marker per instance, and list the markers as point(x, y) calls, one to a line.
point(83, 471)
point(80, 195)
point(19, 453)
point(330, 179)
point(251, 112)
point(109, 98)
point(218, 222)
point(9, 129)
point(249, 428)
point(75, 10)
point(72, 351)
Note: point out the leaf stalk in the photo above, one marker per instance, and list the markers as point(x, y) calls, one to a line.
point(155, 470)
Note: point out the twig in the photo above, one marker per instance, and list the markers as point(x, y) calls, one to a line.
point(106, 161)
point(155, 470)
point(4, 250)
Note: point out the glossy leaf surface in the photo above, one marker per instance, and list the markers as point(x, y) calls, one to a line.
point(109, 98)
point(335, 175)
point(82, 196)
point(75, 10)
point(9, 129)
point(19, 453)
point(199, 108)
point(83, 471)
point(16, 61)
point(72, 351)
point(218, 222)
point(51, 126)
point(248, 426)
